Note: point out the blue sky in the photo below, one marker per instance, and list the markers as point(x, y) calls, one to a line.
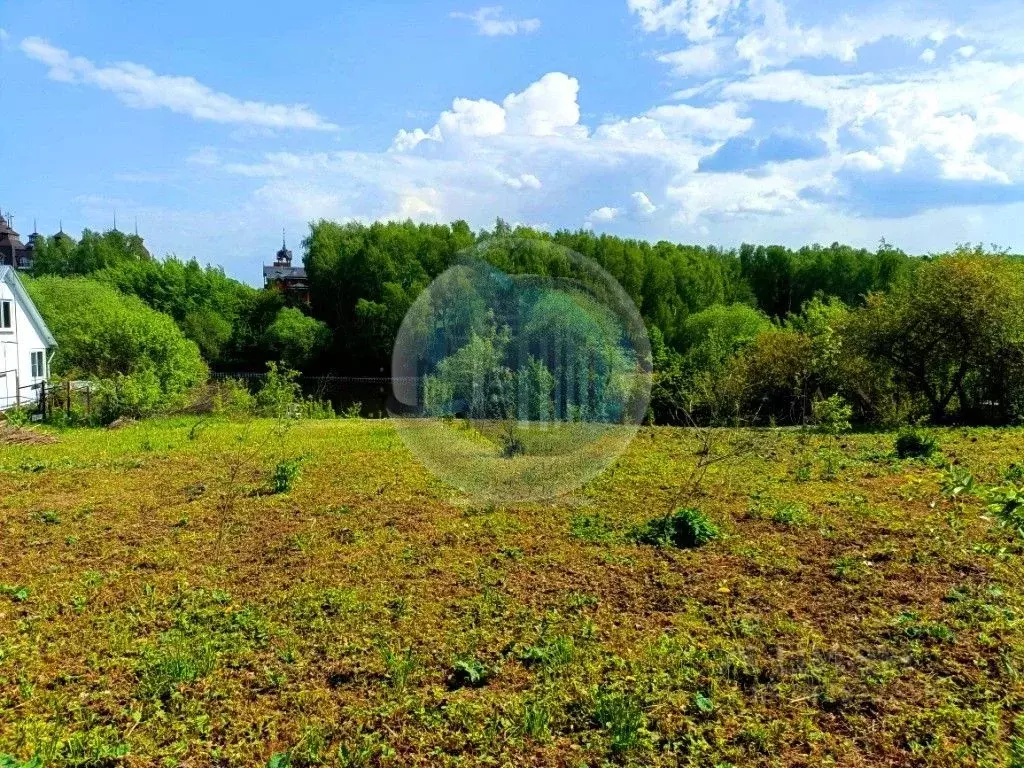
point(707, 121)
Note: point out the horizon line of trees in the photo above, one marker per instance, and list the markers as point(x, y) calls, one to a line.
point(747, 335)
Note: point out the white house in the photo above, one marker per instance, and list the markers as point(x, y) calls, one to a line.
point(26, 344)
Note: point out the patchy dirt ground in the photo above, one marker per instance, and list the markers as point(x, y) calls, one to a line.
point(171, 593)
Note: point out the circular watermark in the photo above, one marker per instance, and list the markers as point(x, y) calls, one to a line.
point(521, 371)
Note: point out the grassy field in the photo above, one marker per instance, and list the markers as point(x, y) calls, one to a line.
point(182, 593)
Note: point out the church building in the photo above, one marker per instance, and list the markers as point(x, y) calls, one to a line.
point(282, 276)
point(14, 253)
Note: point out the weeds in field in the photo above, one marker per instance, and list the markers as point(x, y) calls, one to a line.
point(593, 527)
point(684, 528)
point(398, 665)
point(915, 443)
point(1007, 504)
point(469, 673)
point(622, 717)
point(286, 474)
point(958, 482)
point(175, 661)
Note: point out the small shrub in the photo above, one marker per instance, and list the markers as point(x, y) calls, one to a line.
point(18, 417)
point(913, 443)
point(684, 528)
point(286, 473)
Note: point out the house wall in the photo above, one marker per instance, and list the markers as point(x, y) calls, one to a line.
point(16, 347)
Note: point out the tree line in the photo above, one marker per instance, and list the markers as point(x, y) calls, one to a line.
point(751, 335)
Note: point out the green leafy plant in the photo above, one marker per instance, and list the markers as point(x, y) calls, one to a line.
point(958, 481)
point(915, 443)
point(469, 673)
point(683, 528)
point(831, 417)
point(1007, 504)
point(18, 594)
point(286, 474)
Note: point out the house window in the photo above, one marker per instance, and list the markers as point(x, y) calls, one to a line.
point(38, 365)
point(5, 315)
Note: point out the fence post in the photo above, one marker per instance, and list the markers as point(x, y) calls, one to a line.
point(88, 401)
point(42, 398)
point(17, 388)
point(67, 404)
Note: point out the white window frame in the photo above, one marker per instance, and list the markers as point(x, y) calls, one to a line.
point(6, 316)
point(38, 368)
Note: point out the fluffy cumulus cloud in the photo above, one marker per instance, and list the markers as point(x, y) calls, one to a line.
point(142, 88)
point(603, 215)
point(491, 22)
point(548, 107)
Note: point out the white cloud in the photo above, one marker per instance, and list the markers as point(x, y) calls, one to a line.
point(760, 32)
point(4, 35)
point(142, 88)
point(548, 107)
point(469, 117)
point(603, 215)
point(718, 122)
point(545, 108)
point(697, 19)
point(928, 55)
point(950, 115)
point(695, 60)
point(643, 205)
point(775, 41)
point(490, 24)
point(966, 51)
point(523, 181)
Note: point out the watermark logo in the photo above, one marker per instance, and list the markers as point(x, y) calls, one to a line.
point(521, 371)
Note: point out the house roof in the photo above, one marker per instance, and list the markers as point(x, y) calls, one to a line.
point(283, 273)
point(9, 276)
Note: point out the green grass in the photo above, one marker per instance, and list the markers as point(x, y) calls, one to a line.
point(171, 596)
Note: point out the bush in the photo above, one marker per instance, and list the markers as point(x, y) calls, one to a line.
point(140, 358)
point(915, 444)
point(684, 528)
point(286, 473)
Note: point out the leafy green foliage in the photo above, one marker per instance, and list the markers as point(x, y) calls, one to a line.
point(469, 673)
point(286, 474)
point(915, 443)
point(142, 359)
point(296, 338)
point(1007, 504)
point(683, 528)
